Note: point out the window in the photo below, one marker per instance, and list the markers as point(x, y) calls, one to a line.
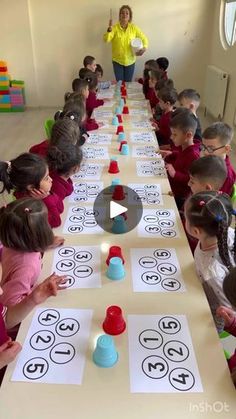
point(230, 22)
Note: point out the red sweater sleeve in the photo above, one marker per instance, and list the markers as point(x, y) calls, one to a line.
point(55, 207)
point(90, 124)
point(41, 148)
point(92, 102)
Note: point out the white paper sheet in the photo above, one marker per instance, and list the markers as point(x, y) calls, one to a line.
point(142, 124)
point(81, 220)
point(99, 139)
point(149, 193)
point(85, 192)
point(55, 347)
point(158, 224)
point(141, 112)
point(151, 168)
point(145, 151)
point(143, 137)
point(156, 270)
point(102, 113)
point(95, 153)
point(161, 355)
point(89, 171)
point(81, 265)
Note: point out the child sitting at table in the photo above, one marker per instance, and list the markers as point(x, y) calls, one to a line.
point(177, 163)
point(154, 77)
point(208, 218)
point(160, 84)
point(89, 63)
point(92, 102)
point(216, 139)
point(148, 66)
point(163, 64)
point(101, 84)
point(228, 315)
point(190, 99)
point(167, 100)
point(207, 174)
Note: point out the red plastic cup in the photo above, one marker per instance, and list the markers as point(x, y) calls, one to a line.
point(123, 83)
point(118, 193)
point(121, 143)
point(114, 251)
point(120, 120)
point(114, 323)
point(119, 129)
point(113, 167)
point(125, 110)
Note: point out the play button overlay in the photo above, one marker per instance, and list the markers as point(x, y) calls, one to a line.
point(118, 209)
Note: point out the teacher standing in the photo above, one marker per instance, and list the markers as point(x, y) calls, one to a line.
point(121, 35)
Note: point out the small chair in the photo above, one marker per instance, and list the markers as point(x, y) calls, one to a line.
point(48, 124)
point(233, 195)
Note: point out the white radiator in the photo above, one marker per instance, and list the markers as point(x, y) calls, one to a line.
point(215, 91)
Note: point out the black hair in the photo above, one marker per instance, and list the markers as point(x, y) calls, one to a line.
point(229, 286)
point(212, 211)
point(125, 6)
point(67, 96)
point(99, 69)
point(189, 94)
point(63, 157)
point(19, 173)
point(66, 129)
point(156, 74)
point(168, 95)
point(82, 72)
point(78, 85)
point(91, 78)
point(160, 84)
point(221, 130)
point(24, 225)
point(184, 120)
point(163, 63)
point(210, 168)
point(88, 60)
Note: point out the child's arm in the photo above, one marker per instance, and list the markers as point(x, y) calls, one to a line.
point(229, 318)
point(8, 352)
point(49, 287)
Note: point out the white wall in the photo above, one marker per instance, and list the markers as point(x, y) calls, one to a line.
point(50, 38)
point(226, 60)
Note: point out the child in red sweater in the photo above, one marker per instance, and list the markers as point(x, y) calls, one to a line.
point(228, 315)
point(183, 127)
point(92, 102)
point(167, 99)
point(148, 66)
point(216, 140)
point(190, 99)
point(161, 84)
point(163, 64)
point(81, 86)
point(28, 175)
point(154, 77)
point(64, 160)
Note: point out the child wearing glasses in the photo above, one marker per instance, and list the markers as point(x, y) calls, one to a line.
point(216, 141)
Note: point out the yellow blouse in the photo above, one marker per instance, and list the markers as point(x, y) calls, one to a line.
point(122, 52)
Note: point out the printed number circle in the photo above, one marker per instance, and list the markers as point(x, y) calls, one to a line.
point(83, 271)
point(151, 278)
point(62, 353)
point(170, 284)
point(35, 368)
point(152, 229)
point(150, 339)
point(80, 199)
point(162, 254)
point(155, 367)
point(67, 327)
point(176, 351)
point(163, 213)
point(66, 251)
point(166, 269)
point(90, 223)
point(153, 201)
point(76, 218)
point(69, 282)
point(48, 317)
point(147, 262)
point(94, 213)
point(42, 340)
point(80, 210)
point(75, 229)
point(166, 223)
point(168, 233)
point(169, 325)
point(181, 379)
point(150, 186)
point(150, 218)
point(65, 265)
point(82, 255)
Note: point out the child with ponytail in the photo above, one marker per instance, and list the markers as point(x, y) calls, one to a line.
point(208, 219)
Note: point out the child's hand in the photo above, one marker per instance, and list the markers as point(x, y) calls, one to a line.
point(170, 193)
point(165, 153)
point(170, 169)
point(38, 194)
point(155, 126)
point(47, 288)
point(227, 314)
point(57, 241)
point(8, 352)
point(100, 124)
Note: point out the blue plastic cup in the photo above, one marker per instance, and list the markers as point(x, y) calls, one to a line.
point(125, 150)
point(115, 121)
point(118, 110)
point(116, 270)
point(122, 102)
point(114, 158)
point(121, 137)
point(119, 225)
point(114, 182)
point(105, 354)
